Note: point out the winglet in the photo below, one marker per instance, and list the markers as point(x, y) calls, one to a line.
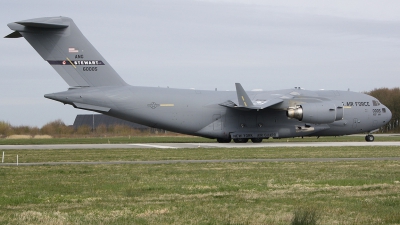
point(245, 103)
point(243, 98)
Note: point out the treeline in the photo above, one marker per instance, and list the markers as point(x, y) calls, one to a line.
point(391, 99)
point(58, 128)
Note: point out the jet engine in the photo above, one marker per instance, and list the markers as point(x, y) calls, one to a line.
point(318, 113)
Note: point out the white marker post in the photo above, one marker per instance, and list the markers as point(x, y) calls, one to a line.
point(2, 159)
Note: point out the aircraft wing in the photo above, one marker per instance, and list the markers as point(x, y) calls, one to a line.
point(245, 103)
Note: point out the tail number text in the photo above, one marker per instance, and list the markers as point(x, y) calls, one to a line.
point(89, 68)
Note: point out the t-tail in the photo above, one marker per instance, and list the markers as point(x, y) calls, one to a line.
point(59, 41)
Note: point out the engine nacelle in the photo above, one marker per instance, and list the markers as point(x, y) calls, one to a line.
point(318, 113)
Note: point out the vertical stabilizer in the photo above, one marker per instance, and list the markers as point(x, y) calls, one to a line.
point(59, 41)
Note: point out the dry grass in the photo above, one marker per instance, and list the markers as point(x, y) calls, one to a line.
point(58, 129)
point(42, 136)
point(19, 136)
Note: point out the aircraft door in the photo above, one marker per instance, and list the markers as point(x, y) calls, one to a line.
point(217, 124)
point(355, 121)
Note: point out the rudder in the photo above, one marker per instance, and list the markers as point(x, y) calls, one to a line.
point(59, 41)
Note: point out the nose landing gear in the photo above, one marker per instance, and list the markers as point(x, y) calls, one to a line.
point(369, 138)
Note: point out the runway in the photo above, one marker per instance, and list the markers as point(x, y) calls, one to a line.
point(204, 161)
point(199, 145)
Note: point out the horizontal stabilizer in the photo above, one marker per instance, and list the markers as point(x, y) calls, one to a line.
point(45, 22)
point(42, 25)
point(14, 34)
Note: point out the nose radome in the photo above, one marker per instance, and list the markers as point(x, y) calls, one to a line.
point(389, 115)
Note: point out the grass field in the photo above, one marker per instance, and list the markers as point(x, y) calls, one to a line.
point(351, 192)
point(176, 139)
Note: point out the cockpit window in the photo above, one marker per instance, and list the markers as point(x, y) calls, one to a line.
point(375, 103)
point(383, 110)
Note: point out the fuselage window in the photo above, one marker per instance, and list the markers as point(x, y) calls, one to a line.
point(375, 103)
point(383, 110)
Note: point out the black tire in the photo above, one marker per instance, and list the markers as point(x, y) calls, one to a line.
point(224, 140)
point(369, 138)
point(240, 140)
point(256, 140)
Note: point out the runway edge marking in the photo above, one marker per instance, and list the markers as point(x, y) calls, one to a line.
point(155, 146)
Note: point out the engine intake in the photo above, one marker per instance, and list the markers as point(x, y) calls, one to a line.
point(318, 113)
point(296, 113)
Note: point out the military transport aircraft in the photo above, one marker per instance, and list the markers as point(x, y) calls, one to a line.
point(225, 115)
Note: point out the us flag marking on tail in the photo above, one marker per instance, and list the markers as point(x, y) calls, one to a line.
point(73, 50)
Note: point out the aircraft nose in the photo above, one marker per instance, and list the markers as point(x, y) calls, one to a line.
point(388, 116)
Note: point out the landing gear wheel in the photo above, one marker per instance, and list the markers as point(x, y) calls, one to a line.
point(240, 140)
point(223, 140)
point(369, 138)
point(256, 140)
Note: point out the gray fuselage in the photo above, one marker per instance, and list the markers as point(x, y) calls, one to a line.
point(198, 112)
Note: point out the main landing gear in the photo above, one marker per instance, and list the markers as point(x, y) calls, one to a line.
point(224, 140)
point(369, 138)
point(239, 140)
point(256, 140)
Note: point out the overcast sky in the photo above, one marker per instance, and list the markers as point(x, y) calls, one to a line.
point(262, 44)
